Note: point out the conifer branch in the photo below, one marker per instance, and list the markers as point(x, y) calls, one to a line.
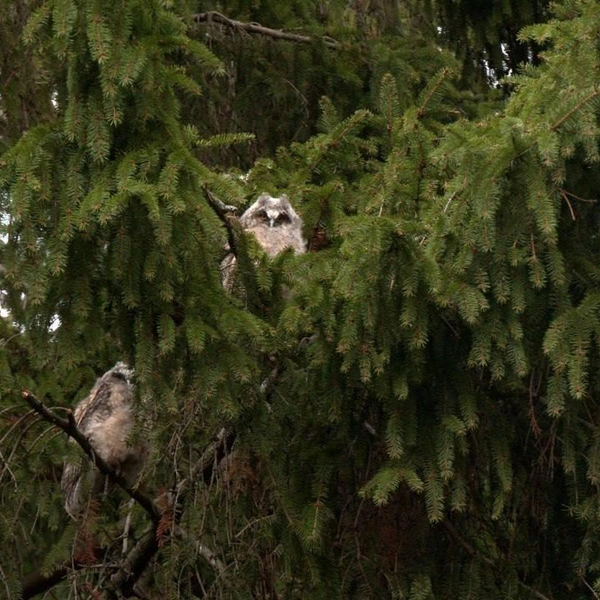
point(256, 28)
point(70, 428)
point(441, 77)
point(573, 110)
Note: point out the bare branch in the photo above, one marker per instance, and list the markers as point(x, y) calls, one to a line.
point(466, 546)
point(587, 200)
point(226, 213)
point(534, 592)
point(218, 205)
point(70, 428)
point(256, 28)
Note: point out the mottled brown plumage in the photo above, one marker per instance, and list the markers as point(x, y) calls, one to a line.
point(107, 418)
point(275, 225)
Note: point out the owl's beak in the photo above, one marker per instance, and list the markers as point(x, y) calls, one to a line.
point(272, 216)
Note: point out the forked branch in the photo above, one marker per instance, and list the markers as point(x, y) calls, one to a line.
point(128, 572)
point(144, 551)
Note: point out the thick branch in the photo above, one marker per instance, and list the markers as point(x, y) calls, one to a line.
point(219, 206)
point(226, 214)
point(216, 17)
point(36, 582)
point(70, 428)
point(125, 579)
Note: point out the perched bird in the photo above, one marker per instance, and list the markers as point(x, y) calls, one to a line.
point(107, 419)
point(275, 225)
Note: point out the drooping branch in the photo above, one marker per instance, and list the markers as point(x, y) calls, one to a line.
point(70, 428)
point(486, 559)
point(256, 28)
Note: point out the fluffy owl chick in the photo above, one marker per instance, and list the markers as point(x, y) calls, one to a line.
point(107, 418)
point(275, 225)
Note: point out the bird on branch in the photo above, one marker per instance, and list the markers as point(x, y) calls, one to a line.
point(107, 418)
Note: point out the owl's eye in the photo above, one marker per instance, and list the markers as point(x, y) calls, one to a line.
point(282, 218)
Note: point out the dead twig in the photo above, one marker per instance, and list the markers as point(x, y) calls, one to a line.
point(474, 553)
point(256, 28)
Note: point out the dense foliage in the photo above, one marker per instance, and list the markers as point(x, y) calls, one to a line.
point(406, 411)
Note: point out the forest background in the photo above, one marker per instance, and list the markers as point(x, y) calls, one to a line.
point(409, 410)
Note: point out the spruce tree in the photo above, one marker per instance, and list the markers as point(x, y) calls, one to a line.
point(406, 411)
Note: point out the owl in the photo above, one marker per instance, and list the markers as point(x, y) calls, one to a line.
point(275, 225)
point(107, 418)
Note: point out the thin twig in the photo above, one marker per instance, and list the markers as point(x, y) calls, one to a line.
point(537, 431)
point(589, 587)
point(587, 200)
point(566, 199)
point(444, 74)
point(462, 542)
point(474, 553)
point(574, 109)
point(534, 591)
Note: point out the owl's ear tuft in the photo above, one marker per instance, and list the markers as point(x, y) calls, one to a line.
point(121, 370)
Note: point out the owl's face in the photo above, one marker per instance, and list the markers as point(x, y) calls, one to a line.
point(270, 212)
point(273, 217)
point(275, 226)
